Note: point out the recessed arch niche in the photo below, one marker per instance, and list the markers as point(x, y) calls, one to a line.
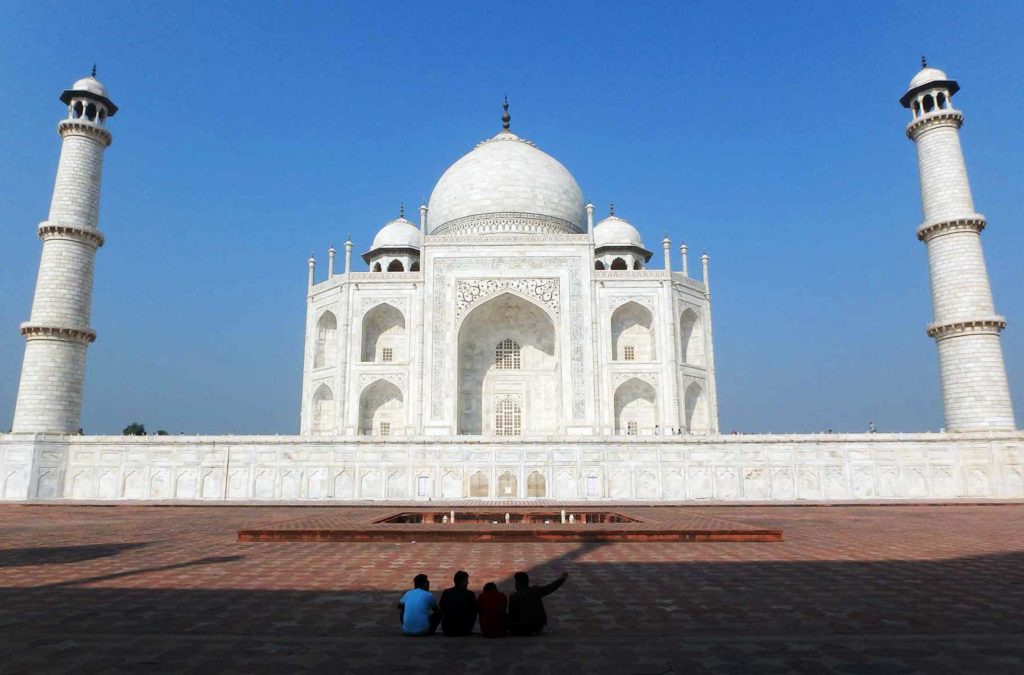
point(484, 374)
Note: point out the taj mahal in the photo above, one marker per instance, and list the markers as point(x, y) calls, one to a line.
point(507, 343)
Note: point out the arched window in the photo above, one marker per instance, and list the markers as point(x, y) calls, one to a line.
point(377, 267)
point(326, 340)
point(323, 406)
point(396, 266)
point(691, 338)
point(632, 326)
point(384, 328)
point(536, 485)
point(941, 100)
point(508, 418)
point(78, 109)
point(506, 485)
point(415, 267)
point(598, 265)
point(929, 103)
point(478, 486)
point(619, 264)
point(695, 412)
point(636, 264)
point(917, 108)
point(90, 112)
point(507, 355)
point(381, 410)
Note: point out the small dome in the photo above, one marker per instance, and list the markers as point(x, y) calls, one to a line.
point(926, 75)
point(399, 233)
point(91, 85)
point(504, 175)
point(614, 231)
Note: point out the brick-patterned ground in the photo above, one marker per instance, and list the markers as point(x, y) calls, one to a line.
point(853, 589)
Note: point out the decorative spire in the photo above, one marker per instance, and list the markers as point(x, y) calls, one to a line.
point(401, 210)
point(505, 117)
point(924, 62)
point(611, 209)
point(94, 70)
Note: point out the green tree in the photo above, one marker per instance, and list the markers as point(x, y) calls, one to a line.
point(134, 429)
point(161, 432)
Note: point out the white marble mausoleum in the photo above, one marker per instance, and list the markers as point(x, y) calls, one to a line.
point(509, 345)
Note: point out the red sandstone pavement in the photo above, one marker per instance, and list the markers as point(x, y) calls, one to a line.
point(853, 589)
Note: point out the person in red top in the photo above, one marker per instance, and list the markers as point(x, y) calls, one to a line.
point(492, 604)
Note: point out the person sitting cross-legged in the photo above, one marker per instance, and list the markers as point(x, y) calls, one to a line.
point(493, 606)
point(526, 615)
point(458, 607)
point(417, 610)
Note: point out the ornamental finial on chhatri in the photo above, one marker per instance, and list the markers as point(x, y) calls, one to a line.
point(506, 119)
point(924, 62)
point(401, 210)
point(611, 209)
point(94, 70)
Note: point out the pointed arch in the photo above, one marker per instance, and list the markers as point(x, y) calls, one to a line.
point(490, 336)
point(507, 485)
point(636, 407)
point(381, 410)
point(632, 327)
point(326, 348)
point(415, 266)
point(384, 328)
point(691, 334)
point(536, 485)
point(695, 409)
point(479, 485)
point(598, 265)
point(396, 266)
point(619, 264)
point(322, 407)
point(377, 267)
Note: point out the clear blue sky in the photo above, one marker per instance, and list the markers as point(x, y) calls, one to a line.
point(767, 133)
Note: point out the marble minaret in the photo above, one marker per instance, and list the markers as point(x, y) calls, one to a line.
point(58, 332)
point(966, 328)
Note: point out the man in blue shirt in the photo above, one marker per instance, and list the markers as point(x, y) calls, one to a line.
point(417, 610)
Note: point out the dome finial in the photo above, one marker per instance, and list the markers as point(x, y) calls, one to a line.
point(924, 62)
point(94, 70)
point(401, 210)
point(611, 209)
point(505, 117)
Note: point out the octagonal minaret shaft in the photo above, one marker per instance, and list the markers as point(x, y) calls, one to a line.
point(966, 328)
point(58, 333)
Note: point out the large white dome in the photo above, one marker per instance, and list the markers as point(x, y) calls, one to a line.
point(506, 184)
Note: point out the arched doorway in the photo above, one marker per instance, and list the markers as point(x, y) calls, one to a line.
point(508, 363)
point(636, 408)
point(381, 410)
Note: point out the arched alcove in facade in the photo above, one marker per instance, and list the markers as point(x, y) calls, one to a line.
point(322, 407)
point(691, 334)
point(636, 408)
point(507, 485)
point(536, 485)
point(632, 333)
point(479, 485)
point(381, 410)
point(326, 350)
point(384, 334)
point(695, 409)
point(508, 353)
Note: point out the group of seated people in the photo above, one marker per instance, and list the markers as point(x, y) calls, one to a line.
point(521, 613)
